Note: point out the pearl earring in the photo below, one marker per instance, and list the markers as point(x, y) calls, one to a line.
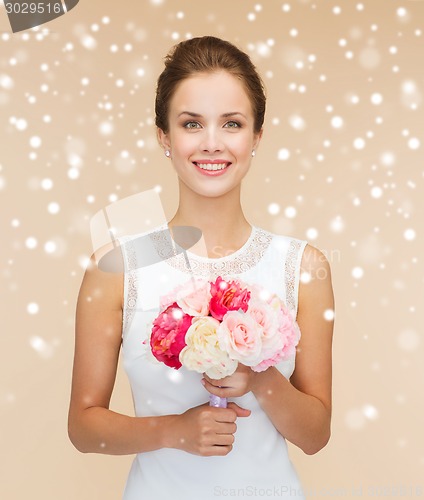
point(167, 153)
point(253, 152)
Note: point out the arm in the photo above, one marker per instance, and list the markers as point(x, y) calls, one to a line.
point(92, 426)
point(300, 409)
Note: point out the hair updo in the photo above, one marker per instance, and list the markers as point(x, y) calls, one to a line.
point(205, 55)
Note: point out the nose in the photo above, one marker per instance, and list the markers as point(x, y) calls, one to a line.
point(211, 141)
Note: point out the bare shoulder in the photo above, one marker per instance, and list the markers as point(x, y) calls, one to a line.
point(315, 280)
point(315, 262)
point(104, 276)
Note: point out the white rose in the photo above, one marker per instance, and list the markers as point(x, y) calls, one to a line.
point(202, 352)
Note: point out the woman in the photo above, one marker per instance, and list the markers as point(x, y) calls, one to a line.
point(210, 108)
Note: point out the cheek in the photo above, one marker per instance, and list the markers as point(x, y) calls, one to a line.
point(242, 144)
point(183, 143)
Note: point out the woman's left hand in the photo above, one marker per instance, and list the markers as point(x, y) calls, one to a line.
point(238, 384)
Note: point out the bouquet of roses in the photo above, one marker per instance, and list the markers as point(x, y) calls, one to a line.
point(210, 327)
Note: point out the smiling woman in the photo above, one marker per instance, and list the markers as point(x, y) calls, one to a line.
point(207, 140)
point(210, 108)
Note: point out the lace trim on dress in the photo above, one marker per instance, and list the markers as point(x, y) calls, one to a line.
point(131, 284)
point(238, 262)
point(290, 275)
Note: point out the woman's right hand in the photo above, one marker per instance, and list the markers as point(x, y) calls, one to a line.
point(205, 430)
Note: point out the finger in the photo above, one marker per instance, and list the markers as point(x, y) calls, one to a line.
point(217, 391)
point(226, 428)
point(215, 383)
point(219, 450)
point(224, 415)
point(226, 439)
point(241, 412)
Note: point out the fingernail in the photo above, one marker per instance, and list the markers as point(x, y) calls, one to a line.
point(203, 381)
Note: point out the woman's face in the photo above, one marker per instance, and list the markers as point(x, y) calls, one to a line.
point(211, 134)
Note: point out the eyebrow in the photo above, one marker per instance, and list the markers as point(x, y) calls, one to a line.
point(225, 115)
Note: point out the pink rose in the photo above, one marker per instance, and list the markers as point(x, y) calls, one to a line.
point(272, 340)
point(289, 330)
point(282, 345)
point(193, 297)
point(287, 325)
point(168, 335)
point(266, 363)
point(227, 296)
point(240, 336)
point(264, 315)
point(166, 300)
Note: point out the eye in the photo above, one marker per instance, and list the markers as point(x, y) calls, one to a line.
point(191, 125)
point(232, 124)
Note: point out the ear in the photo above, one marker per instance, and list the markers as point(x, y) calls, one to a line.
point(257, 138)
point(163, 139)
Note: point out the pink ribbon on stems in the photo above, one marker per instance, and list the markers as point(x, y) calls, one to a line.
point(217, 401)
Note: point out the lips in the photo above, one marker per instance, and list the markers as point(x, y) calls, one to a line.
point(212, 165)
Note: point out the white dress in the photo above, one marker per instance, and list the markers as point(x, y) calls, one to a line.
point(258, 465)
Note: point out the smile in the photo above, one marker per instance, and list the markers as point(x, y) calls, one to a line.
point(212, 166)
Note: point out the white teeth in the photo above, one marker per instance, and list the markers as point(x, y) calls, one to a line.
point(211, 166)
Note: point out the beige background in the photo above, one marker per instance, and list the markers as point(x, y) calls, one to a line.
point(84, 86)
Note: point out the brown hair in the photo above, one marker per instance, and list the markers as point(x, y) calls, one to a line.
point(205, 55)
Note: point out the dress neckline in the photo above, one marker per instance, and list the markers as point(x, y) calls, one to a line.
point(224, 258)
point(246, 257)
point(199, 258)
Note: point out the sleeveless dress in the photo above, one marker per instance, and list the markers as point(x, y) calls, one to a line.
point(258, 465)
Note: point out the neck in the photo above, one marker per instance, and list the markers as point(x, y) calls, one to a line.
point(221, 219)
